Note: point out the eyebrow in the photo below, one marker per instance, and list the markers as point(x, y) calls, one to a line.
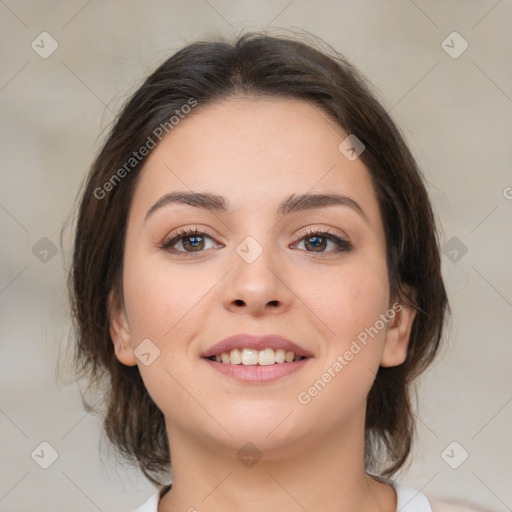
point(294, 203)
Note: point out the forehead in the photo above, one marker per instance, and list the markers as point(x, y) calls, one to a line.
point(254, 130)
point(255, 151)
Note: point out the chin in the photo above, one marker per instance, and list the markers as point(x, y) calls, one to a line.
point(266, 426)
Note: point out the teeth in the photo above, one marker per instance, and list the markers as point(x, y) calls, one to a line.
point(289, 356)
point(266, 357)
point(280, 355)
point(235, 356)
point(251, 356)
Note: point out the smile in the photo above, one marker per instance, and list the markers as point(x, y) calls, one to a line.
point(253, 357)
point(252, 371)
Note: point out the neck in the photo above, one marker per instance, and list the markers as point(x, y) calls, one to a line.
point(325, 475)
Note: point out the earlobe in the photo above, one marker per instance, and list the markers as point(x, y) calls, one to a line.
point(398, 335)
point(120, 332)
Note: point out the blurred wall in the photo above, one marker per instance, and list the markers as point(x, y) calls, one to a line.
point(444, 72)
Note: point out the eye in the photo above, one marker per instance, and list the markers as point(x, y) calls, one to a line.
point(317, 241)
point(191, 240)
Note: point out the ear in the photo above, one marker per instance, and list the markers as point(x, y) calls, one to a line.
point(398, 334)
point(120, 331)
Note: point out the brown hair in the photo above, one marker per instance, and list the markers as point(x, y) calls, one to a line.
point(255, 64)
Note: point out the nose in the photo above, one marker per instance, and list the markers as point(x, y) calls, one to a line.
point(257, 284)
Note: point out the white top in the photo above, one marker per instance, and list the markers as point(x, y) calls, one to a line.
point(408, 500)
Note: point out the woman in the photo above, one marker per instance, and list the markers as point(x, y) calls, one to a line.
point(256, 282)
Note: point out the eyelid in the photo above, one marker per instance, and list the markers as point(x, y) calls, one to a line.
point(185, 232)
point(342, 242)
point(320, 230)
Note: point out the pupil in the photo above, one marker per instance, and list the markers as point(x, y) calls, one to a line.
point(316, 241)
point(193, 241)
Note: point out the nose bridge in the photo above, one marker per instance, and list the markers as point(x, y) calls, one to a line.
point(257, 237)
point(255, 281)
point(256, 259)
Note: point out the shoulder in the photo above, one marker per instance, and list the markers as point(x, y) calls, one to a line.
point(447, 506)
point(411, 500)
point(408, 500)
point(151, 505)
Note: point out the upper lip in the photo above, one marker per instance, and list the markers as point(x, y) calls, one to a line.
point(258, 342)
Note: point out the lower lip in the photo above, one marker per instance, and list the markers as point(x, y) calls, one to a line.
point(257, 373)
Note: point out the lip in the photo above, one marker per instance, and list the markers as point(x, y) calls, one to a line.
point(257, 373)
point(257, 342)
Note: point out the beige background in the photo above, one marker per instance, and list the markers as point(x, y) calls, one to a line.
point(455, 112)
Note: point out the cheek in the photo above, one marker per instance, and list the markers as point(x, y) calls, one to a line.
point(162, 297)
point(352, 303)
point(352, 299)
point(167, 303)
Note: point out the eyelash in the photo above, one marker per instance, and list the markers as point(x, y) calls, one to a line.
point(342, 245)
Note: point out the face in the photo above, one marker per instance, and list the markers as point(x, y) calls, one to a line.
point(314, 275)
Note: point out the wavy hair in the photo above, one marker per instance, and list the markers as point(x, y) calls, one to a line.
point(254, 64)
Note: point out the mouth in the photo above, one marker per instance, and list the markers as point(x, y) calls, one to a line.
point(250, 349)
point(254, 357)
point(257, 373)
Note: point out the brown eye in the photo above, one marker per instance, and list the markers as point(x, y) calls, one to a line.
point(195, 242)
point(317, 241)
point(191, 240)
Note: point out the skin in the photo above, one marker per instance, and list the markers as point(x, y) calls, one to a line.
point(255, 152)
